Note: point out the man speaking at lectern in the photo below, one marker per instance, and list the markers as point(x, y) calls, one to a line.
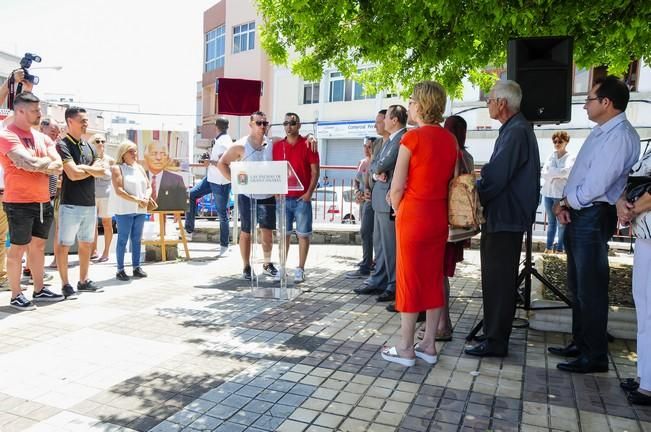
point(295, 149)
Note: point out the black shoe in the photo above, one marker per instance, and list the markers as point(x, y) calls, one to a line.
point(637, 398)
point(246, 273)
point(483, 350)
point(69, 292)
point(138, 273)
point(88, 286)
point(122, 275)
point(357, 274)
point(27, 272)
point(367, 289)
point(629, 384)
point(583, 365)
point(46, 295)
point(479, 338)
point(391, 307)
point(386, 296)
point(569, 351)
point(269, 269)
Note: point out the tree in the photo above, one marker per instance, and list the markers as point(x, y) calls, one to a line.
point(446, 40)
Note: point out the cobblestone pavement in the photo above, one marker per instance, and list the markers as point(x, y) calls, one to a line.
point(189, 349)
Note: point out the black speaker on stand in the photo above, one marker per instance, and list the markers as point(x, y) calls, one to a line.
point(543, 66)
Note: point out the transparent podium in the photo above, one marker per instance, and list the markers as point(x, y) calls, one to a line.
point(256, 179)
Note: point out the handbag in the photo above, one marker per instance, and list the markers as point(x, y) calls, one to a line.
point(151, 205)
point(464, 208)
point(460, 234)
point(636, 187)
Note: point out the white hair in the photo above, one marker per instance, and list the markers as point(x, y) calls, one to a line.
point(509, 91)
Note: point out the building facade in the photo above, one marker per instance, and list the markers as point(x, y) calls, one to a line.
point(340, 113)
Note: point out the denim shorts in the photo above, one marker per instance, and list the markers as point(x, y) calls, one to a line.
point(76, 221)
point(27, 220)
point(298, 211)
point(266, 213)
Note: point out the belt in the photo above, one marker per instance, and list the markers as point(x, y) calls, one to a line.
point(600, 203)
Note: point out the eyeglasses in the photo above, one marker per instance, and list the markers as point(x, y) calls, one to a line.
point(100, 141)
point(588, 99)
point(261, 123)
point(489, 100)
point(557, 141)
point(290, 123)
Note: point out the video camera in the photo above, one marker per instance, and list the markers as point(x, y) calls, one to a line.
point(25, 64)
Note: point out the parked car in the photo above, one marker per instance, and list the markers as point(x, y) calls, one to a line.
point(336, 205)
point(207, 208)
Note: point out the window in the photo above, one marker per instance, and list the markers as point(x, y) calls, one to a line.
point(581, 80)
point(342, 89)
point(311, 93)
point(244, 37)
point(215, 49)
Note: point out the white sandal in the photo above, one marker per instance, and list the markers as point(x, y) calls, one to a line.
point(391, 355)
point(431, 359)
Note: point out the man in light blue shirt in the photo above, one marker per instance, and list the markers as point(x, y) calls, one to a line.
point(596, 182)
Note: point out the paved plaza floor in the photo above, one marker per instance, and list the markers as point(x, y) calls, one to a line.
point(189, 349)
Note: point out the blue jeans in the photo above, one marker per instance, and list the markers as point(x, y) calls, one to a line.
point(553, 226)
point(129, 228)
point(221, 193)
point(298, 211)
point(588, 274)
point(199, 190)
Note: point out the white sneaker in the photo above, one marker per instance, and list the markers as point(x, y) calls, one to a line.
point(299, 275)
point(188, 236)
point(224, 251)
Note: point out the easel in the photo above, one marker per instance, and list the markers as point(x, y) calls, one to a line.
point(161, 241)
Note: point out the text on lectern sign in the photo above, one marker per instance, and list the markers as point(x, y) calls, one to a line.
point(259, 177)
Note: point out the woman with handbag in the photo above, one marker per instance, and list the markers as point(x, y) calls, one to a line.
point(635, 207)
point(130, 197)
point(427, 157)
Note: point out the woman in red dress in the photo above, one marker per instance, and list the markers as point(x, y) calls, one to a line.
point(419, 194)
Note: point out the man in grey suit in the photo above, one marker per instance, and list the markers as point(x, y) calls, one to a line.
point(381, 172)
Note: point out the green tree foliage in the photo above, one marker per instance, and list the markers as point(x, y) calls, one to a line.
point(445, 40)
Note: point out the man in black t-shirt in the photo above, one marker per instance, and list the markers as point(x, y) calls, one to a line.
point(77, 214)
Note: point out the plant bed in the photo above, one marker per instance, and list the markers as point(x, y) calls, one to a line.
point(619, 291)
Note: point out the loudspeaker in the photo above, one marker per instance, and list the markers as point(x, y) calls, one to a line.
point(543, 67)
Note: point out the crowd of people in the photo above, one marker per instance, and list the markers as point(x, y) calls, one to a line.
point(56, 176)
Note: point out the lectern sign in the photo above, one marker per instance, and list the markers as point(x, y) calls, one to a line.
point(259, 177)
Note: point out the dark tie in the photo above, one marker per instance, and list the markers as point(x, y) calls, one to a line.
point(154, 194)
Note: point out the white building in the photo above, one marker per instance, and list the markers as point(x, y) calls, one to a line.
point(338, 111)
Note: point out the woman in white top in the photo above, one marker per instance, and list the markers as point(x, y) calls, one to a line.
point(555, 172)
point(639, 214)
point(128, 200)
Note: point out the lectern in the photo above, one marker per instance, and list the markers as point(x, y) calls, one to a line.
point(255, 178)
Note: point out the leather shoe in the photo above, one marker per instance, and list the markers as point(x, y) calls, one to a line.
point(484, 350)
point(637, 398)
point(391, 307)
point(386, 296)
point(629, 384)
point(367, 289)
point(583, 365)
point(569, 351)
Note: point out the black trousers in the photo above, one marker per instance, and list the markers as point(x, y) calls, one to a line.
point(500, 260)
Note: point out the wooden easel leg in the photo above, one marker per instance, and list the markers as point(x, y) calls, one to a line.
point(184, 239)
point(163, 249)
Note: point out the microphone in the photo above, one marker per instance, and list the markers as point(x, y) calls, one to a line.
point(255, 150)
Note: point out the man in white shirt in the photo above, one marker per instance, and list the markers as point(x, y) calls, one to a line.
point(220, 186)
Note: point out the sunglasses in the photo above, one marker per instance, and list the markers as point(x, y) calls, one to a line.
point(261, 123)
point(290, 123)
point(100, 141)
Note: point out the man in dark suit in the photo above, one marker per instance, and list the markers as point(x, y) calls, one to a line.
point(168, 188)
point(382, 167)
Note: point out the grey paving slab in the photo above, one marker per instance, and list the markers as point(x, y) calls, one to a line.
point(204, 355)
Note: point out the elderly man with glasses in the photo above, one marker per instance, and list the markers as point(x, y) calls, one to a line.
point(509, 190)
